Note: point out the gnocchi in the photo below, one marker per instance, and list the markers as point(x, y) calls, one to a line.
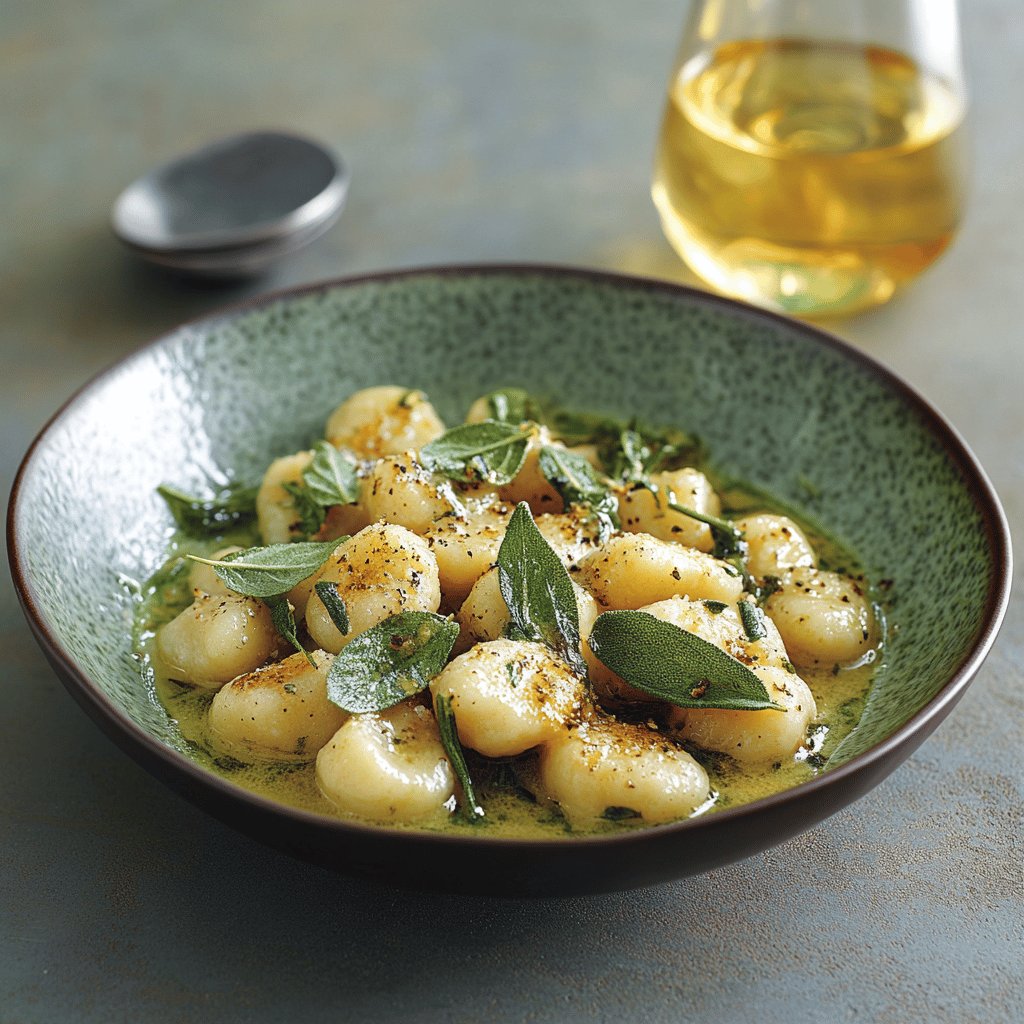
point(388, 766)
point(509, 696)
point(381, 571)
point(775, 544)
point(747, 736)
point(278, 518)
point(647, 509)
point(505, 703)
point(215, 639)
point(277, 712)
point(384, 420)
point(606, 769)
point(824, 618)
point(633, 569)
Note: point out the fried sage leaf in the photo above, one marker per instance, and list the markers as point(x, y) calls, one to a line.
point(753, 619)
point(272, 570)
point(310, 514)
point(490, 451)
point(283, 617)
point(577, 483)
point(200, 517)
point(456, 758)
point(678, 666)
point(537, 589)
point(391, 661)
point(331, 478)
point(728, 538)
point(327, 591)
point(511, 405)
point(628, 450)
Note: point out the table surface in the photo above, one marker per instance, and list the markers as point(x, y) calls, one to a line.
point(476, 131)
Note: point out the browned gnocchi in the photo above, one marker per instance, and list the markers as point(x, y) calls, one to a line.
point(510, 622)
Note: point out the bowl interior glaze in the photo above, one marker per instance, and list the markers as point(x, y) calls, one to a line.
point(778, 403)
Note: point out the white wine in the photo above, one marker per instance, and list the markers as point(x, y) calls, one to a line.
point(809, 177)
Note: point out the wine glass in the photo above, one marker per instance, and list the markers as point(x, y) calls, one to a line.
point(812, 155)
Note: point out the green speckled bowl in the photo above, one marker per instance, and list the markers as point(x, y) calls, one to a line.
point(779, 403)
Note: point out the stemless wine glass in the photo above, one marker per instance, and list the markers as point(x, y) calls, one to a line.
point(812, 157)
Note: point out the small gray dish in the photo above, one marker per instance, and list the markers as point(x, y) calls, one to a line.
point(233, 207)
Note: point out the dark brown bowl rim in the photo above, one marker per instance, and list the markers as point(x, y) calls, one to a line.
point(956, 448)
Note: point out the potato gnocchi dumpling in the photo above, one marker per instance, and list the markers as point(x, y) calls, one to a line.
point(218, 637)
point(509, 696)
point(278, 518)
point(647, 509)
point(611, 770)
point(747, 736)
point(530, 484)
point(572, 535)
point(381, 571)
point(383, 420)
point(633, 569)
point(824, 618)
point(466, 547)
point(388, 766)
point(484, 616)
point(279, 712)
point(411, 723)
point(775, 544)
point(400, 491)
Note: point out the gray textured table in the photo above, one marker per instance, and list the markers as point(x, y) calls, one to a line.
point(476, 130)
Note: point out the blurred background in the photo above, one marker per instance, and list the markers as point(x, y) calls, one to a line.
point(475, 130)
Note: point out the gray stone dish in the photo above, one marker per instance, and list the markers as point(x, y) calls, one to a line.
point(779, 403)
point(234, 207)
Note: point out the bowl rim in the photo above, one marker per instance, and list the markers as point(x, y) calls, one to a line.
point(92, 697)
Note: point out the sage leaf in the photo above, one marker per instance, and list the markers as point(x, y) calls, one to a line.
point(391, 661)
point(628, 450)
point(331, 478)
point(578, 484)
point(678, 666)
point(537, 589)
point(727, 536)
point(511, 405)
point(753, 620)
point(633, 462)
point(328, 593)
point(272, 570)
point(490, 451)
point(311, 514)
point(284, 622)
point(448, 729)
point(655, 449)
point(200, 517)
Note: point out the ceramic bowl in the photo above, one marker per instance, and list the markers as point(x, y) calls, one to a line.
point(779, 403)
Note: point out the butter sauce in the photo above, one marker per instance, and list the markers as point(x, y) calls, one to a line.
point(503, 786)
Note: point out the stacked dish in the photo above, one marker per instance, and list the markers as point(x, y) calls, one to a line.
point(234, 207)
